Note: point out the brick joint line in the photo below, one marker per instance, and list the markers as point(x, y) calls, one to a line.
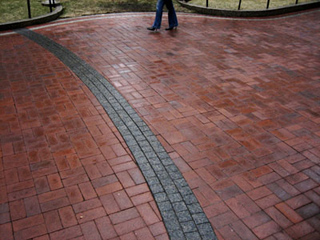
point(179, 208)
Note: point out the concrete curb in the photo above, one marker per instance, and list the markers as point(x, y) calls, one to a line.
point(37, 20)
point(255, 13)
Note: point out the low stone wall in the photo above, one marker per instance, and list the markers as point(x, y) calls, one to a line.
point(32, 21)
point(251, 13)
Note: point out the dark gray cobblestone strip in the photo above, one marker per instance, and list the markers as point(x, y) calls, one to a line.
point(180, 210)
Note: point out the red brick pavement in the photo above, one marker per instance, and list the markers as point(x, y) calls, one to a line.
point(235, 102)
point(65, 171)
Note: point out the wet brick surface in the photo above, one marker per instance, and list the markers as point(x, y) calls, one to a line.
point(235, 104)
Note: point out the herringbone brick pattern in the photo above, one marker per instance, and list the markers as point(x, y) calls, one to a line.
point(234, 102)
point(65, 171)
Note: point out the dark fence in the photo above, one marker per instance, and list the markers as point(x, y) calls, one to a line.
point(239, 6)
point(52, 4)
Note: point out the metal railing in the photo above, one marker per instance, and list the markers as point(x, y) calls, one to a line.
point(239, 5)
point(51, 5)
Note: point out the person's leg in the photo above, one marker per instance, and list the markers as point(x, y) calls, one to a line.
point(158, 19)
point(172, 17)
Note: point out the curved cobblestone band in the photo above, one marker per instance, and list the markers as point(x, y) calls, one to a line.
point(180, 210)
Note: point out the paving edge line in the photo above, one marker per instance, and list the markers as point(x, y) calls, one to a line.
point(248, 13)
point(181, 212)
point(32, 21)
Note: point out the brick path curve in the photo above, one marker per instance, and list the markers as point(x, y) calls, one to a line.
point(234, 102)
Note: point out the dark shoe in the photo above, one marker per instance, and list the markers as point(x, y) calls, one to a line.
point(170, 28)
point(152, 29)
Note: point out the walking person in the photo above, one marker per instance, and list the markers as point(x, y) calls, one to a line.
point(172, 17)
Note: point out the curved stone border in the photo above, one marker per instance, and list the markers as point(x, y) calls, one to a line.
point(179, 208)
point(36, 20)
point(246, 13)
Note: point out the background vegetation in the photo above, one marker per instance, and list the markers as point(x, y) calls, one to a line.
point(89, 7)
point(12, 10)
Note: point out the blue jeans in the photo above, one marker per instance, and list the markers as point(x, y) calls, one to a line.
point(172, 17)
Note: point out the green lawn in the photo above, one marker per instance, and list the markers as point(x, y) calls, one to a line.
point(12, 10)
point(88, 7)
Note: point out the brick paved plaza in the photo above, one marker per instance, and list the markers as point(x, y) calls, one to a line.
point(235, 104)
